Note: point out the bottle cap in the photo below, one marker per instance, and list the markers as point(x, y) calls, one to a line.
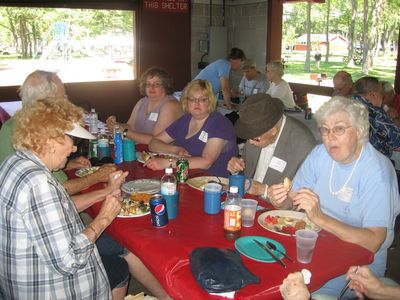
point(233, 189)
point(168, 170)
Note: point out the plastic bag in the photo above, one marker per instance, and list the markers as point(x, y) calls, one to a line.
point(220, 270)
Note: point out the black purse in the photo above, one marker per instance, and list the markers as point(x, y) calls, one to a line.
point(220, 270)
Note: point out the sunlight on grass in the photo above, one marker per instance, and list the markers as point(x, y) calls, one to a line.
point(384, 68)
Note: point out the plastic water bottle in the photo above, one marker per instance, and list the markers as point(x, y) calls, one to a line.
point(118, 145)
point(232, 214)
point(168, 182)
point(103, 146)
point(93, 121)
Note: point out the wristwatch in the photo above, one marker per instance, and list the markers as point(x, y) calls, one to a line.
point(125, 133)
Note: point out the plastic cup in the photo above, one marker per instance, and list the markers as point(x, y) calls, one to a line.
point(305, 244)
point(172, 205)
point(239, 180)
point(249, 207)
point(129, 150)
point(212, 198)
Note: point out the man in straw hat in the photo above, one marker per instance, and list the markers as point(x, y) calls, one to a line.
point(276, 144)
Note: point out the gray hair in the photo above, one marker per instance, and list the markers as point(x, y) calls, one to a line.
point(357, 112)
point(366, 85)
point(38, 85)
point(387, 86)
point(276, 66)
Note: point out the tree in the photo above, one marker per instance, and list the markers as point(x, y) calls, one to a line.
point(307, 64)
point(351, 36)
point(328, 12)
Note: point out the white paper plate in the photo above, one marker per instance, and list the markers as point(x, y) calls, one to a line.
point(139, 157)
point(134, 216)
point(149, 186)
point(295, 216)
point(85, 171)
point(200, 182)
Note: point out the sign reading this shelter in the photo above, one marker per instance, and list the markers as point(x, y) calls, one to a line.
point(178, 6)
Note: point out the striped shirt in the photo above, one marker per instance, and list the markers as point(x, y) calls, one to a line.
point(43, 251)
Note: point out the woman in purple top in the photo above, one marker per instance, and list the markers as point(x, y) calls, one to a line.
point(204, 136)
point(153, 113)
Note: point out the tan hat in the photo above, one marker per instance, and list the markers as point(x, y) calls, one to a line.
point(258, 114)
point(80, 132)
point(248, 64)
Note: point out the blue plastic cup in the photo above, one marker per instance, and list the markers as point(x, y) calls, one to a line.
point(239, 180)
point(172, 205)
point(129, 150)
point(212, 198)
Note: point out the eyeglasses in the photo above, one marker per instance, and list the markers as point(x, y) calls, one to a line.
point(337, 130)
point(198, 100)
point(154, 85)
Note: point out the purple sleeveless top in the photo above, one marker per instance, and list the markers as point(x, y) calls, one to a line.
point(145, 123)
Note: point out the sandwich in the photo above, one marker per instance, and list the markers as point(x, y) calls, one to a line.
point(146, 156)
point(287, 183)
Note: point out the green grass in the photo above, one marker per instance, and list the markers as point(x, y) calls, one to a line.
point(384, 68)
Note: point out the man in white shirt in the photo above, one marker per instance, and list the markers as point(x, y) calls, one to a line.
point(279, 88)
point(276, 144)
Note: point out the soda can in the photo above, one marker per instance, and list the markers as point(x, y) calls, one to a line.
point(93, 148)
point(182, 170)
point(308, 113)
point(158, 208)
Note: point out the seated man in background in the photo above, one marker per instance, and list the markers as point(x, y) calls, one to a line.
point(253, 82)
point(40, 85)
point(384, 135)
point(391, 102)
point(276, 144)
point(279, 88)
point(342, 84)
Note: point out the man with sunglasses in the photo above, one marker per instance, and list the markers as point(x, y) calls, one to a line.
point(276, 144)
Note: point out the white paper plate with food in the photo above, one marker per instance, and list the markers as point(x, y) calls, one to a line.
point(86, 171)
point(135, 205)
point(143, 156)
point(149, 186)
point(200, 182)
point(285, 222)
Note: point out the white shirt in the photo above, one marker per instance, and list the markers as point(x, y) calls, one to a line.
point(266, 155)
point(283, 92)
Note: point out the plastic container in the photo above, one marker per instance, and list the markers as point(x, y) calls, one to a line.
point(118, 145)
point(93, 122)
point(103, 146)
point(232, 214)
point(168, 182)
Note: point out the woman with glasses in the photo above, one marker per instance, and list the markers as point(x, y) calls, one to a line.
point(203, 135)
point(154, 112)
point(345, 186)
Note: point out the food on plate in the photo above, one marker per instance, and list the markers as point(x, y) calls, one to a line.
point(288, 225)
point(136, 204)
point(146, 156)
point(287, 183)
point(141, 197)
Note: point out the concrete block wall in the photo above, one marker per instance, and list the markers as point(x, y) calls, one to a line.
point(247, 28)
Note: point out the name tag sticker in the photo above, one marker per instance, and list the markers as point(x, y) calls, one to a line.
point(153, 117)
point(345, 194)
point(203, 136)
point(277, 164)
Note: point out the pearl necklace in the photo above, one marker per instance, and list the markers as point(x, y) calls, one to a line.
point(348, 178)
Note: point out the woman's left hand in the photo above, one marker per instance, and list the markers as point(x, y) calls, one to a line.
point(307, 200)
point(115, 180)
